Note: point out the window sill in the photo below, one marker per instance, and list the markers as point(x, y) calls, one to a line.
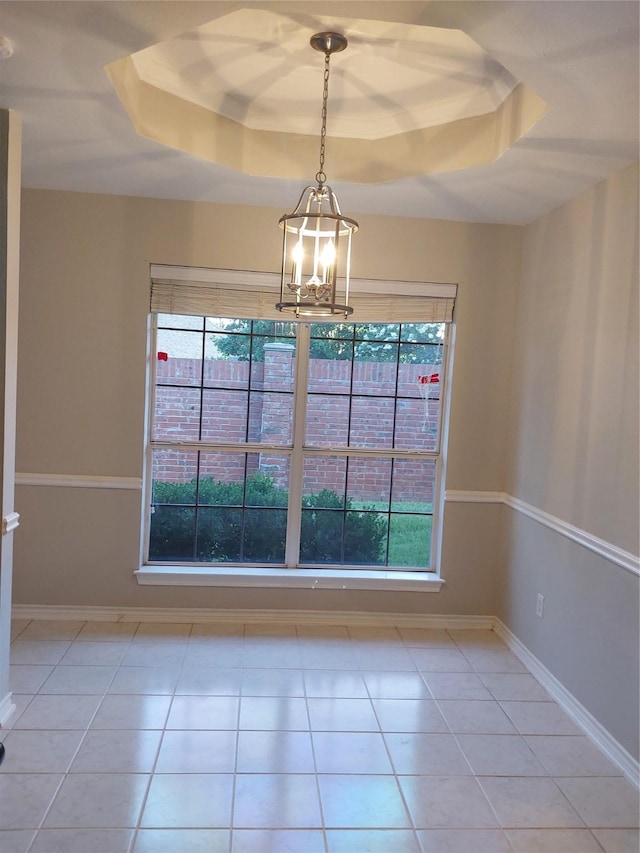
point(289, 578)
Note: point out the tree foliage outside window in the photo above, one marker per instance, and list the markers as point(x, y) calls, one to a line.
point(372, 341)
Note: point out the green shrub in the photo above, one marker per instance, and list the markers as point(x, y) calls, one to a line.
point(323, 536)
point(226, 532)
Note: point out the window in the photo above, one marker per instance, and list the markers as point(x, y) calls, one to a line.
point(299, 445)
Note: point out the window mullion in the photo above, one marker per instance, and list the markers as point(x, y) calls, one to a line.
point(296, 471)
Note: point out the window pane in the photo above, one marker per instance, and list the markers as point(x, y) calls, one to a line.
point(417, 424)
point(177, 414)
point(409, 540)
point(340, 530)
point(221, 479)
point(262, 489)
point(331, 347)
point(275, 370)
point(365, 539)
point(327, 421)
point(232, 337)
point(351, 538)
point(323, 504)
point(377, 331)
point(421, 354)
point(219, 534)
point(174, 477)
point(265, 532)
point(321, 536)
point(179, 358)
point(224, 416)
point(172, 533)
point(330, 367)
point(369, 483)
point(222, 324)
point(375, 369)
point(410, 380)
point(179, 321)
point(382, 352)
point(413, 485)
point(371, 422)
point(342, 331)
point(270, 418)
point(220, 370)
point(271, 475)
point(423, 332)
point(274, 329)
point(324, 481)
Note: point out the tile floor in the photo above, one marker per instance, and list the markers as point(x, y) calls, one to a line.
point(174, 738)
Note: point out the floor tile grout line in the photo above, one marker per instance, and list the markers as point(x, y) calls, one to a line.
point(405, 804)
point(65, 775)
point(234, 783)
point(360, 671)
point(325, 840)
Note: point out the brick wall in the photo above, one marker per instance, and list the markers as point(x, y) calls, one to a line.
point(223, 415)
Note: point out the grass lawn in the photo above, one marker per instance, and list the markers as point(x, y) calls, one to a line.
point(410, 540)
point(410, 535)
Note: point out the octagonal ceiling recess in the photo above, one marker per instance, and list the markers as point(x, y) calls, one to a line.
point(244, 91)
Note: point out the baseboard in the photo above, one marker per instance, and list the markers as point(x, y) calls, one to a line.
point(300, 617)
point(605, 742)
point(6, 709)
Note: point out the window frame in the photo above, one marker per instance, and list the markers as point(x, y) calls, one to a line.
point(291, 574)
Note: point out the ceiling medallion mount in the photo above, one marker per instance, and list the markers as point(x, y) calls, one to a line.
point(328, 42)
point(316, 246)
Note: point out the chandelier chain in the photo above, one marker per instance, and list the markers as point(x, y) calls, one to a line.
point(320, 174)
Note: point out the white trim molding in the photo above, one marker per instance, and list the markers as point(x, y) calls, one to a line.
point(79, 481)
point(625, 559)
point(614, 751)
point(462, 497)
point(10, 522)
point(599, 546)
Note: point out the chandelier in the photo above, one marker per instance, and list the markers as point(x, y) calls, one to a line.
point(316, 246)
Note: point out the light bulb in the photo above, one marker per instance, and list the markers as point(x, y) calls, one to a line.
point(327, 258)
point(297, 256)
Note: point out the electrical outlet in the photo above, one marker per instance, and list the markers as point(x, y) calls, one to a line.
point(540, 606)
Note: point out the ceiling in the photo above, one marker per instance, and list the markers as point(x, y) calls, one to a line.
point(579, 59)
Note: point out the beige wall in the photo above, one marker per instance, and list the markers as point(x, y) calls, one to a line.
point(547, 342)
point(574, 450)
point(84, 302)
